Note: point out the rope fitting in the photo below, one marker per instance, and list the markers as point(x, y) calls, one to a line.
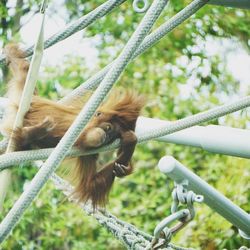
point(44, 6)
point(140, 9)
point(163, 233)
point(180, 194)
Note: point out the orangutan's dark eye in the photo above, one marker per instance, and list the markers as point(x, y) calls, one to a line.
point(98, 113)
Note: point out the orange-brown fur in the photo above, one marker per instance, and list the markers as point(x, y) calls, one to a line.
point(47, 121)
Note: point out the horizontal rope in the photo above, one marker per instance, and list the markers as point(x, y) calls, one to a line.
point(76, 26)
point(196, 119)
point(41, 154)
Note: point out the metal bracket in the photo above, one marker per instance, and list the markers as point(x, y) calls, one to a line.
point(163, 233)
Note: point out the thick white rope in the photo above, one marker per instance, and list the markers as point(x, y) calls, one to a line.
point(40, 154)
point(128, 234)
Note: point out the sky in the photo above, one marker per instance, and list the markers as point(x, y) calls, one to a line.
point(74, 45)
point(237, 59)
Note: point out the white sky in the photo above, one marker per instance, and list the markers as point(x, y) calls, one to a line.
point(74, 45)
point(238, 61)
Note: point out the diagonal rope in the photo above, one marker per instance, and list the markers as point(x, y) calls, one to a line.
point(128, 234)
point(78, 25)
point(72, 134)
point(196, 119)
point(41, 154)
point(148, 42)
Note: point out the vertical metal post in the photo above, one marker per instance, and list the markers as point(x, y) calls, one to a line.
point(214, 199)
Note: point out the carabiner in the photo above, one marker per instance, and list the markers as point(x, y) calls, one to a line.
point(163, 225)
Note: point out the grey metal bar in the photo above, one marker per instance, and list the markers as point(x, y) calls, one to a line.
point(214, 199)
point(213, 138)
point(244, 4)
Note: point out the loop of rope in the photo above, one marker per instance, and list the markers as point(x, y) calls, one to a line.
point(162, 230)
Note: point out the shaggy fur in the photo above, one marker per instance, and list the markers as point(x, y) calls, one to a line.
point(47, 121)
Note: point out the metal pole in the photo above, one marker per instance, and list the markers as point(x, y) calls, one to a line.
point(213, 138)
point(214, 199)
point(244, 4)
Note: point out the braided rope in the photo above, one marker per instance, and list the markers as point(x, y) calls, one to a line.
point(196, 119)
point(72, 134)
point(128, 234)
point(7, 160)
point(125, 232)
point(76, 26)
point(148, 42)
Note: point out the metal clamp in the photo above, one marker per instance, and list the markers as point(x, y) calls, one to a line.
point(140, 9)
point(181, 195)
point(163, 225)
point(162, 232)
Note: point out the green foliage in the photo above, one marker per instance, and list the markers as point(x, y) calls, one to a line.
point(162, 74)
